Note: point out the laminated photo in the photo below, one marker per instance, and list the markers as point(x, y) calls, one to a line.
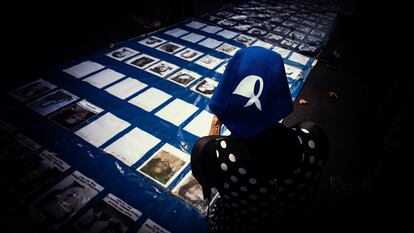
point(317, 33)
point(210, 43)
point(195, 24)
point(262, 44)
point(313, 40)
point(297, 35)
point(228, 49)
point(242, 27)
point(65, 199)
point(126, 88)
point(227, 34)
point(226, 23)
point(170, 47)
point(177, 112)
point(209, 61)
point(303, 28)
point(189, 54)
point(150, 99)
point(307, 48)
point(191, 192)
point(82, 69)
point(104, 78)
point(72, 116)
point(211, 29)
point(102, 129)
point(238, 17)
point(165, 165)
point(150, 226)
point(289, 24)
point(142, 61)
point(32, 90)
point(282, 30)
point(152, 41)
point(192, 37)
point(132, 146)
point(289, 42)
point(282, 51)
point(246, 40)
point(111, 214)
point(122, 53)
point(52, 102)
point(299, 58)
point(162, 69)
point(176, 32)
point(293, 72)
point(184, 77)
point(257, 32)
point(198, 125)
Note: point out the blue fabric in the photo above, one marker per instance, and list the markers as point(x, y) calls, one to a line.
point(273, 102)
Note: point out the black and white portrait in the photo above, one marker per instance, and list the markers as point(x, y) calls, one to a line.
point(206, 87)
point(122, 53)
point(189, 54)
point(184, 77)
point(142, 61)
point(170, 47)
point(152, 41)
point(162, 69)
point(32, 90)
point(52, 102)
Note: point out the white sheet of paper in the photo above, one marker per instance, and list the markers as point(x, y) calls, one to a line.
point(299, 58)
point(126, 88)
point(210, 43)
point(227, 34)
point(177, 112)
point(151, 227)
point(195, 24)
point(104, 78)
point(150, 99)
point(200, 125)
point(283, 52)
point(209, 61)
point(132, 146)
point(293, 72)
point(193, 37)
point(262, 44)
point(211, 29)
point(83, 69)
point(176, 32)
point(102, 129)
point(189, 54)
point(122, 53)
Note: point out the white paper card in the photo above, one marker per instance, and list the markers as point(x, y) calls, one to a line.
point(200, 126)
point(101, 130)
point(104, 78)
point(132, 146)
point(193, 37)
point(299, 58)
point(126, 88)
point(177, 112)
point(209, 61)
point(195, 24)
point(210, 43)
point(176, 32)
point(150, 99)
point(83, 69)
point(227, 34)
point(262, 44)
point(211, 29)
point(283, 52)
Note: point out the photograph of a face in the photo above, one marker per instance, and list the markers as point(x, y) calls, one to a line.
point(122, 53)
point(165, 165)
point(289, 42)
point(246, 40)
point(228, 49)
point(282, 30)
point(142, 61)
point(32, 90)
point(209, 61)
point(162, 69)
point(293, 72)
point(170, 47)
point(206, 87)
point(64, 199)
point(52, 102)
point(189, 54)
point(184, 77)
point(272, 37)
point(297, 35)
point(74, 115)
point(152, 41)
point(110, 215)
point(256, 31)
point(191, 192)
point(242, 27)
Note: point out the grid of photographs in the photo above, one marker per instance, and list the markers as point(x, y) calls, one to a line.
point(184, 77)
point(110, 215)
point(52, 102)
point(32, 90)
point(206, 87)
point(122, 53)
point(165, 165)
point(72, 116)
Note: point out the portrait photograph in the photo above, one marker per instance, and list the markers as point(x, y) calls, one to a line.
point(209, 61)
point(165, 165)
point(184, 77)
point(273, 37)
point(281, 30)
point(246, 40)
point(242, 27)
point(52, 102)
point(228, 49)
point(189, 54)
point(189, 190)
point(32, 90)
point(290, 43)
point(142, 61)
point(74, 115)
point(152, 41)
point(122, 53)
point(170, 47)
point(162, 69)
point(297, 35)
point(256, 31)
point(206, 87)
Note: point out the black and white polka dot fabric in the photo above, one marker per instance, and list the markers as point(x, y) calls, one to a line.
point(254, 194)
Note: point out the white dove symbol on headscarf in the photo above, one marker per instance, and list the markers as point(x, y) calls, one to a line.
point(246, 89)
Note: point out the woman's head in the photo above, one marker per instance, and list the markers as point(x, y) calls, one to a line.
point(254, 93)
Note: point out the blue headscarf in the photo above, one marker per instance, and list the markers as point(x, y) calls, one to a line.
point(253, 94)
